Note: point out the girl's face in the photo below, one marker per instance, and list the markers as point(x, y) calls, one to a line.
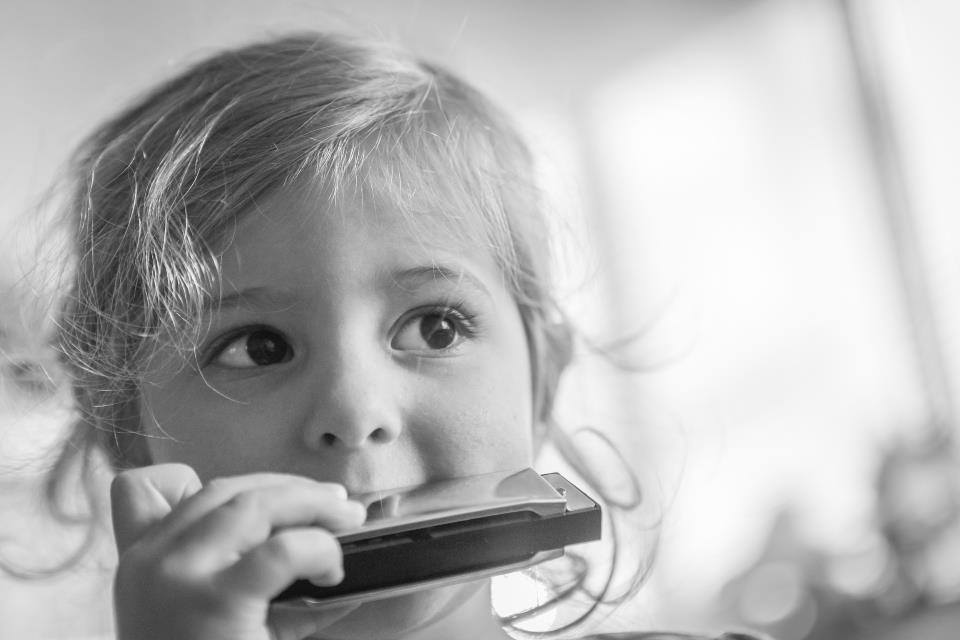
point(349, 347)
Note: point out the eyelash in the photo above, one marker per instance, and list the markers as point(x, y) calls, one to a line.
point(218, 346)
point(463, 319)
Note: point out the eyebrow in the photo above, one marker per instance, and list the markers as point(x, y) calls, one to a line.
point(411, 278)
point(253, 296)
point(419, 276)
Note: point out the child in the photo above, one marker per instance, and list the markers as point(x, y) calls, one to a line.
point(305, 269)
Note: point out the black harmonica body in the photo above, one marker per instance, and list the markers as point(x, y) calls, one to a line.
point(454, 531)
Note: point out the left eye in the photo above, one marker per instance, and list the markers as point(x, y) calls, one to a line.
point(433, 331)
point(256, 348)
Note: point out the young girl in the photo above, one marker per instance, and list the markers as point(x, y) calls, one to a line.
point(305, 269)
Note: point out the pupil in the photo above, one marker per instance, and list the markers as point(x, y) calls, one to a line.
point(437, 331)
point(264, 348)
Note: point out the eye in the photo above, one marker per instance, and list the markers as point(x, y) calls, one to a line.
point(438, 330)
point(254, 348)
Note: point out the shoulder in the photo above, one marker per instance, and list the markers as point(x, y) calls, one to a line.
point(665, 635)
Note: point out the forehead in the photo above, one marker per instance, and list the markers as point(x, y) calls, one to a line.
point(305, 228)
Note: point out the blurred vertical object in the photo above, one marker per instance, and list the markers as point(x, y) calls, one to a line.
point(916, 591)
point(744, 226)
point(900, 217)
point(918, 484)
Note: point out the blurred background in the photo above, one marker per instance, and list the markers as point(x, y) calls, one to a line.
point(758, 204)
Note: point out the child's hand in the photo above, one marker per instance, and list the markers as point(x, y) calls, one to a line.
point(203, 562)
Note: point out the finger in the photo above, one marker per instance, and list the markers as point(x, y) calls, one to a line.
point(248, 519)
point(288, 555)
point(219, 491)
point(143, 496)
point(295, 621)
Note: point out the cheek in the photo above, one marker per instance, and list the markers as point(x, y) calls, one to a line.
point(217, 436)
point(478, 424)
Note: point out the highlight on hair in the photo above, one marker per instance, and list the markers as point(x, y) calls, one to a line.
point(158, 190)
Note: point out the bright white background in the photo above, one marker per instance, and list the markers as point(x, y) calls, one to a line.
point(711, 163)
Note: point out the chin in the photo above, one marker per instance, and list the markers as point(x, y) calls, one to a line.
point(393, 617)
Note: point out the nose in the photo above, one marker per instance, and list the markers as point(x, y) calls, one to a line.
point(357, 402)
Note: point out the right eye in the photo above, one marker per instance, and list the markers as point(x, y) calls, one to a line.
point(254, 348)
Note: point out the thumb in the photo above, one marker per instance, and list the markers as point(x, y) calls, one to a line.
point(140, 497)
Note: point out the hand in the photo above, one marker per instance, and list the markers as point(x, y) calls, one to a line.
point(203, 562)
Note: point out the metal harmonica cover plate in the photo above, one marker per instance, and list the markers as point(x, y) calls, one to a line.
point(455, 500)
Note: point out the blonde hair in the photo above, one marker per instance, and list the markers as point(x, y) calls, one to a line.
point(159, 188)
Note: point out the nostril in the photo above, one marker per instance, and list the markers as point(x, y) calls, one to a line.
point(380, 435)
point(329, 439)
point(333, 439)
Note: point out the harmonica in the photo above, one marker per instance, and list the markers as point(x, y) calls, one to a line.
point(455, 531)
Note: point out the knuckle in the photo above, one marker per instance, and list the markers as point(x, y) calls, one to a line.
point(173, 468)
point(246, 505)
point(177, 570)
point(127, 481)
point(279, 551)
point(124, 481)
point(138, 567)
point(218, 485)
